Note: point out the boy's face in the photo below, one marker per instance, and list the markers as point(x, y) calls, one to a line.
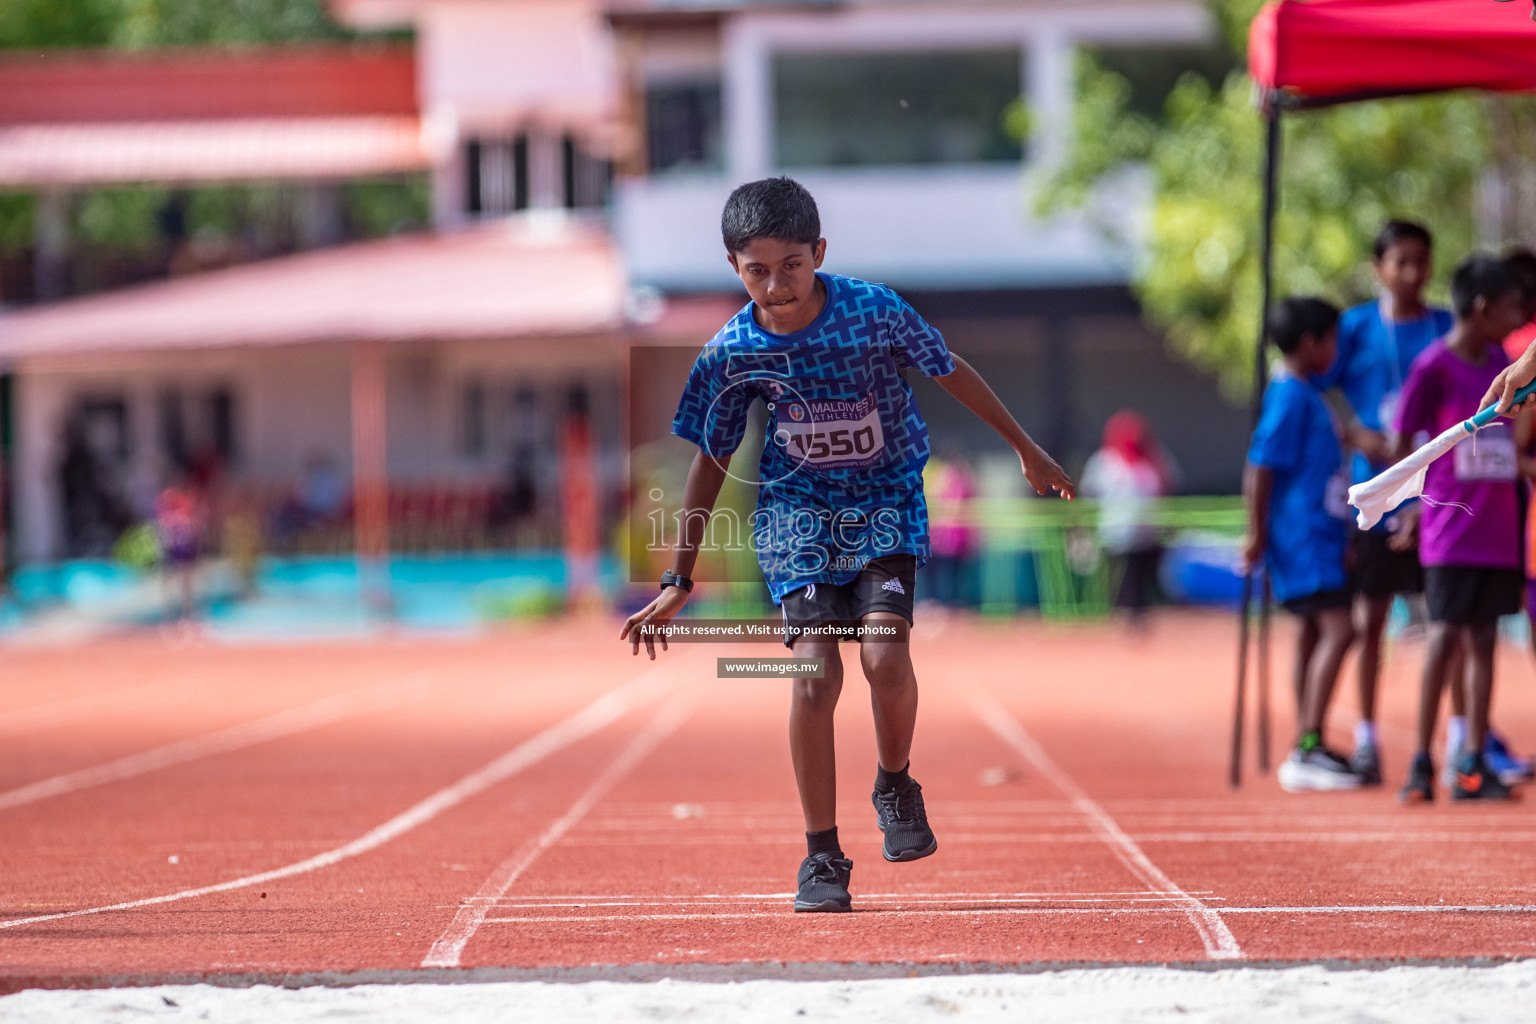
point(781, 279)
point(1496, 319)
point(1316, 351)
point(1404, 269)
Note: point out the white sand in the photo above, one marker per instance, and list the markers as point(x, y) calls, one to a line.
point(1316, 995)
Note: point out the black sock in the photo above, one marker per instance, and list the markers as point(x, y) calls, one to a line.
point(822, 842)
point(888, 781)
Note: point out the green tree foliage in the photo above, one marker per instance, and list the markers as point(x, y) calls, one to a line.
point(1344, 172)
point(51, 24)
point(127, 220)
point(137, 24)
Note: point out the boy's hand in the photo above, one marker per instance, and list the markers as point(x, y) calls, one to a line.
point(1511, 379)
point(1253, 553)
point(1405, 531)
point(667, 604)
point(1043, 474)
point(1371, 443)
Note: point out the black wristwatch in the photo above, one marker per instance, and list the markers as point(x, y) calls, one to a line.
point(672, 579)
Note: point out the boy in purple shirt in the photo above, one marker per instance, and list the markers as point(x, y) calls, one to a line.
point(1469, 531)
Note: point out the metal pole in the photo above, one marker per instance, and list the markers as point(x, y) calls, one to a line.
point(1263, 694)
point(1260, 378)
point(1235, 764)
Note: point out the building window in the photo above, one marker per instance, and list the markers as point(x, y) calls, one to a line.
point(497, 171)
point(476, 422)
point(586, 179)
point(892, 109)
point(197, 429)
point(533, 170)
point(682, 127)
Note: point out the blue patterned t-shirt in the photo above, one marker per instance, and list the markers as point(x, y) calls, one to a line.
point(841, 474)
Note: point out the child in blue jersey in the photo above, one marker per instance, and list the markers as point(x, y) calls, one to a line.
point(1298, 524)
point(1378, 342)
point(841, 525)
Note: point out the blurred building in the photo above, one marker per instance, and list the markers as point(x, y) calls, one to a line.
point(578, 153)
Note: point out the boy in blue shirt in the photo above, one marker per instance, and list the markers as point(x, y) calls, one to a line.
point(1298, 523)
point(841, 525)
point(1378, 342)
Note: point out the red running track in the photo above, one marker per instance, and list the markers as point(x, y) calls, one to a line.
point(542, 800)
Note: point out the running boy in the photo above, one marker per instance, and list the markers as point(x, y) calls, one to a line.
point(1378, 342)
point(1298, 524)
point(841, 526)
point(1469, 531)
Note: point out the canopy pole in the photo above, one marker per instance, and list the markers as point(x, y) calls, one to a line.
point(1260, 378)
point(1267, 248)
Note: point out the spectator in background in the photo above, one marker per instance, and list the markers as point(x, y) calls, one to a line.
point(318, 499)
point(1298, 526)
point(1521, 262)
point(1378, 342)
point(323, 490)
point(1128, 475)
point(1469, 532)
point(952, 537)
point(178, 526)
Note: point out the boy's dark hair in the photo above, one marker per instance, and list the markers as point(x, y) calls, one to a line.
point(1480, 276)
point(777, 208)
point(1296, 317)
point(1395, 231)
point(1521, 263)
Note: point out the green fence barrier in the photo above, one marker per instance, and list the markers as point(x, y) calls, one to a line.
point(1055, 545)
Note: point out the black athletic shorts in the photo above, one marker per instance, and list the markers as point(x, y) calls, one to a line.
point(1382, 572)
point(1322, 601)
point(884, 585)
point(1465, 594)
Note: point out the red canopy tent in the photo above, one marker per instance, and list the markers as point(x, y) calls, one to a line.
point(1334, 51)
point(1306, 55)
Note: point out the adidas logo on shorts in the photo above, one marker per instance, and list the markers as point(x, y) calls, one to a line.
point(893, 584)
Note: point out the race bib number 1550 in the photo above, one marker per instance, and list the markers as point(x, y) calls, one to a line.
point(832, 433)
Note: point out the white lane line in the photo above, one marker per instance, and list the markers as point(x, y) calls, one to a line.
point(449, 947)
point(785, 914)
point(62, 712)
point(600, 713)
point(1219, 942)
point(263, 730)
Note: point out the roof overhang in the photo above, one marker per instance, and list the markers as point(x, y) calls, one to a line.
point(513, 278)
point(313, 148)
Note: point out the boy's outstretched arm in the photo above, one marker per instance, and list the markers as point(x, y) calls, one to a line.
point(1042, 472)
point(705, 476)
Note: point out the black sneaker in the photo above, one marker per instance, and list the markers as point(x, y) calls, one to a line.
point(1421, 781)
point(824, 884)
point(900, 815)
point(1366, 763)
point(1476, 781)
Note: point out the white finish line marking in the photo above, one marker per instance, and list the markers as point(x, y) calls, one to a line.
point(602, 712)
point(285, 723)
point(1219, 942)
point(1036, 911)
point(449, 947)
